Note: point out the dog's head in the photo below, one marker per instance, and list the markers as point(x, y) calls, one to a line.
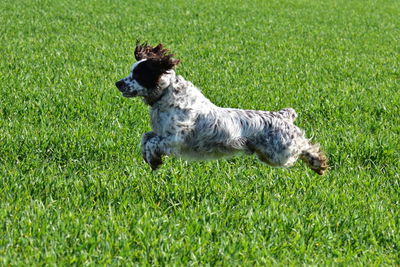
point(146, 75)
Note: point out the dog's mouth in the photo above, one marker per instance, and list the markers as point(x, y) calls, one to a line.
point(129, 94)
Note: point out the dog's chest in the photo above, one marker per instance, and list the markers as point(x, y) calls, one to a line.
point(169, 121)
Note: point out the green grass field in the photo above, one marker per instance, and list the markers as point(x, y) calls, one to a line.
point(75, 190)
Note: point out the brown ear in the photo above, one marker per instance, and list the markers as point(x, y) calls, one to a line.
point(163, 64)
point(145, 51)
point(141, 51)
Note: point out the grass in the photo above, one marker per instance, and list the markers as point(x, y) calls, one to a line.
point(74, 189)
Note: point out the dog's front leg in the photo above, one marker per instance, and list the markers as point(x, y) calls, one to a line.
point(154, 147)
point(150, 151)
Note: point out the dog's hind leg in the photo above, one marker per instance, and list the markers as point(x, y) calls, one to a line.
point(263, 154)
point(315, 158)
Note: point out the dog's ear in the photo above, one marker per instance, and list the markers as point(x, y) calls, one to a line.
point(149, 72)
point(162, 55)
point(162, 65)
point(141, 51)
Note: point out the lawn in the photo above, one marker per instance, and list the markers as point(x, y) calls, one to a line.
point(75, 190)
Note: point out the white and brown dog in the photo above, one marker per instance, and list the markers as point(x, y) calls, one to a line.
point(186, 124)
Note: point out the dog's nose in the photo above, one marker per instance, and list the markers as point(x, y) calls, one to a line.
point(120, 85)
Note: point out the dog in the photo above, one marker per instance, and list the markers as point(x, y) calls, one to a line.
point(187, 124)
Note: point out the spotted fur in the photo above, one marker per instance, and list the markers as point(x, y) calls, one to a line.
point(187, 124)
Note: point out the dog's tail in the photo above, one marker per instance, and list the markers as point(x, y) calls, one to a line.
point(288, 113)
point(315, 158)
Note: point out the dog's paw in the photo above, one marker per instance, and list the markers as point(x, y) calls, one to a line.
point(155, 162)
point(152, 158)
point(150, 151)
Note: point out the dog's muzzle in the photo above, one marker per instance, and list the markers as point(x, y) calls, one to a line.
point(121, 85)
